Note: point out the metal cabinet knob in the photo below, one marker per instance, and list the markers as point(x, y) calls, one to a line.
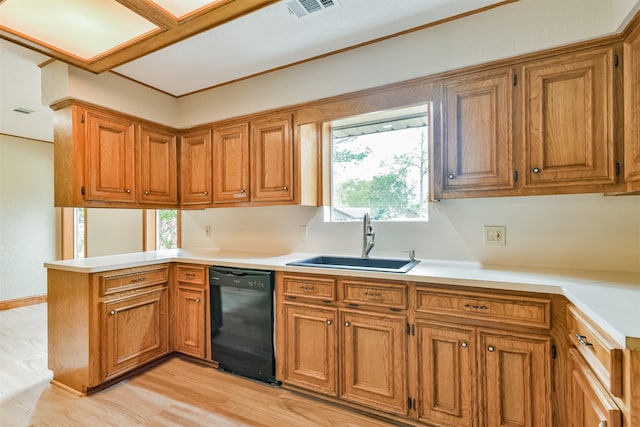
point(329, 322)
point(242, 190)
point(146, 192)
point(285, 188)
point(112, 312)
point(127, 190)
point(491, 349)
point(206, 193)
point(602, 423)
point(347, 324)
point(451, 176)
point(197, 299)
point(535, 170)
point(464, 344)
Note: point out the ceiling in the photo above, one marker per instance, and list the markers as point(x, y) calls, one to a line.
point(183, 46)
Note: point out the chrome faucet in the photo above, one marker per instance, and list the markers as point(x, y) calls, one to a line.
point(367, 231)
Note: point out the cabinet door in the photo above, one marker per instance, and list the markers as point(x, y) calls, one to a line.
point(158, 183)
point(632, 109)
point(568, 120)
point(478, 137)
point(374, 360)
point(190, 320)
point(231, 164)
point(446, 374)
point(195, 169)
point(272, 160)
point(109, 164)
point(311, 356)
point(590, 403)
point(515, 384)
point(135, 331)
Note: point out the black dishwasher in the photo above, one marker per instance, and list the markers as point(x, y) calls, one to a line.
point(242, 321)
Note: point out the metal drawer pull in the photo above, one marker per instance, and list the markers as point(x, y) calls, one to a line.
point(372, 294)
point(190, 274)
point(307, 288)
point(583, 340)
point(138, 279)
point(491, 349)
point(477, 307)
point(464, 344)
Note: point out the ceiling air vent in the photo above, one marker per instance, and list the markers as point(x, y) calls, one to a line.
point(302, 8)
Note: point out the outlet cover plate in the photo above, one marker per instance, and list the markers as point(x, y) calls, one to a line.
point(495, 235)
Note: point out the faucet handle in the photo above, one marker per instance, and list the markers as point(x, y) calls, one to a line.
point(412, 254)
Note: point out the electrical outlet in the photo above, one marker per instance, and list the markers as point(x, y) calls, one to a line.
point(495, 235)
point(303, 233)
point(207, 230)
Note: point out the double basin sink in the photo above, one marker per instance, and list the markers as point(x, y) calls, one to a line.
point(387, 265)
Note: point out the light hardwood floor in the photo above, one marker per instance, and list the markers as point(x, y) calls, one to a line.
point(174, 393)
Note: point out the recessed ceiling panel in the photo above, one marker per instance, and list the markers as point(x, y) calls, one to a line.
point(85, 29)
point(182, 8)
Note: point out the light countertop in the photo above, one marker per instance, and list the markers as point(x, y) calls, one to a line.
point(610, 299)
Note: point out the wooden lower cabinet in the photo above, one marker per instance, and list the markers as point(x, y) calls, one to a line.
point(373, 360)
point(590, 404)
point(311, 348)
point(190, 320)
point(136, 330)
point(190, 297)
point(445, 374)
point(514, 380)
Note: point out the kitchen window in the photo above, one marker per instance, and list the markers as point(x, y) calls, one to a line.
point(379, 165)
point(167, 229)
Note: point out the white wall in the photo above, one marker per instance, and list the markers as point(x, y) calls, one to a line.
point(27, 216)
point(585, 231)
point(514, 29)
point(113, 231)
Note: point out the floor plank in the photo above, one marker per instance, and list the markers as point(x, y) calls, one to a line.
point(174, 393)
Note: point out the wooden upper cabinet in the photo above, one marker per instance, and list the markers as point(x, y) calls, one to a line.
point(195, 169)
point(568, 123)
point(110, 162)
point(272, 160)
point(632, 110)
point(231, 164)
point(157, 176)
point(477, 132)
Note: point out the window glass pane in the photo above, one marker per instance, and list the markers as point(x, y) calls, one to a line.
point(380, 165)
point(166, 229)
point(79, 232)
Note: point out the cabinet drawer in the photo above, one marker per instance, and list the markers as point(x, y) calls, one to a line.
point(375, 294)
point(191, 274)
point(517, 310)
point(312, 288)
point(598, 350)
point(124, 280)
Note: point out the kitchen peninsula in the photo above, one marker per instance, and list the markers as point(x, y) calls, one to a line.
point(579, 330)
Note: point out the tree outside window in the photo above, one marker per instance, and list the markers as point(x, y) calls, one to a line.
point(380, 165)
point(166, 229)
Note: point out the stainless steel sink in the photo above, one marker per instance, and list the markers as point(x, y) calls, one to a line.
point(352, 263)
